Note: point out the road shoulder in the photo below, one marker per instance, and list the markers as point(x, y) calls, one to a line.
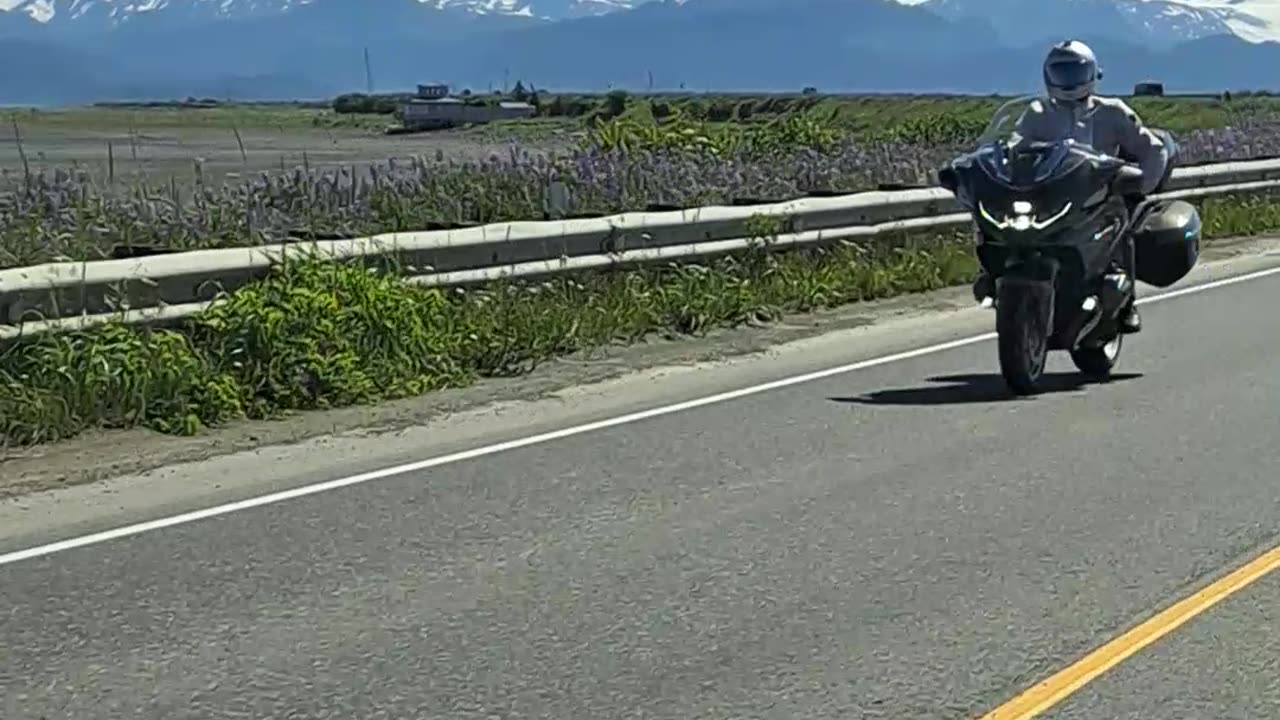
point(98, 455)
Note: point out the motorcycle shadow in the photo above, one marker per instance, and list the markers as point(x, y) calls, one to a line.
point(975, 388)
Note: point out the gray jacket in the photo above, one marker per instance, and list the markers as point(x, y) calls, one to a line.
point(1108, 125)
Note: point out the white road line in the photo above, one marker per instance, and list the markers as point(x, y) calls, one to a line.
point(278, 497)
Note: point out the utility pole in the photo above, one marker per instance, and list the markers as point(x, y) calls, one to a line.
point(368, 73)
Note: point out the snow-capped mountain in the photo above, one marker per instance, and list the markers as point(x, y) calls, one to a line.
point(1160, 23)
point(545, 9)
point(97, 49)
point(113, 13)
point(1169, 21)
point(1252, 20)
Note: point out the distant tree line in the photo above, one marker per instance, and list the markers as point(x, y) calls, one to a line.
point(389, 103)
point(709, 107)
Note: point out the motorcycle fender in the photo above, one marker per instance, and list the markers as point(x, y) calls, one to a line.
point(1035, 270)
point(1036, 276)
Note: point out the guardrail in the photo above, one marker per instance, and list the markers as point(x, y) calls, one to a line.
point(59, 296)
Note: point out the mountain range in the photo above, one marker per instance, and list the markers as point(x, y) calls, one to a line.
point(70, 51)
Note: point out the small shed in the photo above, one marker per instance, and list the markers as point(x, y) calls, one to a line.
point(514, 110)
point(433, 91)
point(449, 112)
point(1149, 89)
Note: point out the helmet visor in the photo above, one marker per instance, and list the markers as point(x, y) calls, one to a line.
point(1069, 74)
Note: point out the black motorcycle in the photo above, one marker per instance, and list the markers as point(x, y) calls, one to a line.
point(1062, 235)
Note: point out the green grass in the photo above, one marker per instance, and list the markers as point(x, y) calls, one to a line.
point(533, 131)
point(223, 117)
point(876, 113)
point(322, 335)
point(317, 335)
point(567, 112)
point(1175, 114)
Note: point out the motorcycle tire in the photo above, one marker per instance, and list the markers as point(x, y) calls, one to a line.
point(1022, 337)
point(1097, 363)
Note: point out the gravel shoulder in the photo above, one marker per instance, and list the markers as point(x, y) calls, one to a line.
point(99, 455)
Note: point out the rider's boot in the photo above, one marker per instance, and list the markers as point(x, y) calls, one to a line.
point(983, 287)
point(1130, 320)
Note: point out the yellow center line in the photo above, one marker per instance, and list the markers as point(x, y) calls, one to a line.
point(1062, 684)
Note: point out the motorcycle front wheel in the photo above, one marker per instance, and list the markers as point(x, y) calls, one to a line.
point(1022, 327)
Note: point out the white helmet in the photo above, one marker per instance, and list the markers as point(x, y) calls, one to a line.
point(1071, 71)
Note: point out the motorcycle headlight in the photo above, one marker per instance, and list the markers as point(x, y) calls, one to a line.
point(1023, 217)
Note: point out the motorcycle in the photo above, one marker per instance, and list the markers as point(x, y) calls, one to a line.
point(1063, 240)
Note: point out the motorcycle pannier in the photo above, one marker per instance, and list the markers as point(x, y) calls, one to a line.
point(1167, 243)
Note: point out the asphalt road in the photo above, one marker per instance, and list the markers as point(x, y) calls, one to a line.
point(1224, 666)
point(898, 542)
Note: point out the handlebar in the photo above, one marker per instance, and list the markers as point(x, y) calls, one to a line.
point(1129, 180)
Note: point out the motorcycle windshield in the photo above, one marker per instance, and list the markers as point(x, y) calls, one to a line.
point(1023, 145)
point(1031, 177)
point(1004, 122)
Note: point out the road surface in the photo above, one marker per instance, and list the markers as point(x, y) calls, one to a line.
point(897, 541)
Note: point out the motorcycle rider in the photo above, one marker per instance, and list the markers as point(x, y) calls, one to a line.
point(1109, 125)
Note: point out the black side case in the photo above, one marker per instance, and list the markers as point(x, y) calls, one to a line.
point(1167, 242)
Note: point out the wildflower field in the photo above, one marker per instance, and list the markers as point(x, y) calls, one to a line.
point(315, 336)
